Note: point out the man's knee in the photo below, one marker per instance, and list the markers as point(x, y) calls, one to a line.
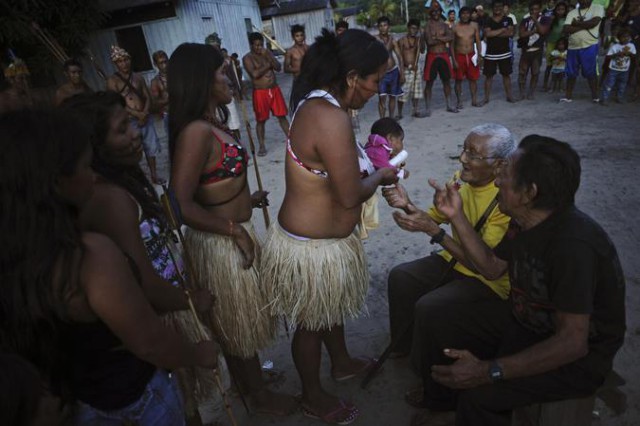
point(397, 281)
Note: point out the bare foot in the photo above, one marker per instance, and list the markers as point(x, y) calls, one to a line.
point(262, 151)
point(273, 403)
point(452, 109)
point(477, 104)
point(511, 100)
point(460, 105)
point(486, 101)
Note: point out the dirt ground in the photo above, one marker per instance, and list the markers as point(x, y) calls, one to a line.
point(607, 138)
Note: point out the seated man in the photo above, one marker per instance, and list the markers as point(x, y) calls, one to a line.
point(419, 291)
point(567, 292)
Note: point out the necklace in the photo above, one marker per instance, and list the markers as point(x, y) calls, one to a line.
point(215, 122)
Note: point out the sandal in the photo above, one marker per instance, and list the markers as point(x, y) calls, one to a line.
point(262, 151)
point(344, 414)
point(368, 365)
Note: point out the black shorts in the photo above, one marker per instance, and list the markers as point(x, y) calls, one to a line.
point(491, 65)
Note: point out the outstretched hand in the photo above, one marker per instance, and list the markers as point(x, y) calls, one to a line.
point(396, 196)
point(465, 373)
point(446, 199)
point(415, 220)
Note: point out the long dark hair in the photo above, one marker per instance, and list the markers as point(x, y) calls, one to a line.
point(331, 58)
point(40, 243)
point(556, 20)
point(190, 79)
point(96, 111)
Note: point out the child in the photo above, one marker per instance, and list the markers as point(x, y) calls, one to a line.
point(559, 62)
point(619, 56)
point(386, 142)
point(383, 149)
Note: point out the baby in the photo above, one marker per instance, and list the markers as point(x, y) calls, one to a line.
point(385, 146)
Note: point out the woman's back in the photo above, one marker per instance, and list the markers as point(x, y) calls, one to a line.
point(314, 205)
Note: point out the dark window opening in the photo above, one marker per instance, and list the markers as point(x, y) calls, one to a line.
point(132, 40)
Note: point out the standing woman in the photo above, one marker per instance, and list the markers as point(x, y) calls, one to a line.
point(126, 208)
point(314, 265)
point(209, 178)
point(555, 33)
point(71, 302)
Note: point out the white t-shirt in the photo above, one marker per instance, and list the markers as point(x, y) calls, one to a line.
point(623, 62)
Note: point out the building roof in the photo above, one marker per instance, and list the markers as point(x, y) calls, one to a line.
point(279, 8)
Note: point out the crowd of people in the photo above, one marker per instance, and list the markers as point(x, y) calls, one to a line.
point(110, 315)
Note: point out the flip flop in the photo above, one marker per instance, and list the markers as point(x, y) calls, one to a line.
point(262, 151)
point(346, 413)
point(370, 362)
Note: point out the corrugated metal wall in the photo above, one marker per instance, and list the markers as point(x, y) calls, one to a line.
point(313, 23)
point(227, 18)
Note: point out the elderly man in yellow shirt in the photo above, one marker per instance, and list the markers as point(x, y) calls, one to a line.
point(428, 292)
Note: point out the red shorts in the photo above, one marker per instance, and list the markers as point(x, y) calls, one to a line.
point(438, 64)
point(466, 69)
point(265, 100)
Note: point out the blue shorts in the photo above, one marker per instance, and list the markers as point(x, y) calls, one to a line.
point(390, 84)
point(586, 59)
point(160, 405)
point(150, 141)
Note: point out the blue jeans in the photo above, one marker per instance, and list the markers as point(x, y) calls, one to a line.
point(159, 405)
point(615, 77)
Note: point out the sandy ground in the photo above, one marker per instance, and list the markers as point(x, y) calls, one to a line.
point(607, 139)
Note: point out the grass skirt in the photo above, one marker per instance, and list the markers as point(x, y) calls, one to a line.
point(241, 318)
point(198, 385)
point(316, 283)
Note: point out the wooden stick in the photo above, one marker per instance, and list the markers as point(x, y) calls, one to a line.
point(245, 117)
point(270, 40)
point(175, 224)
point(96, 66)
point(54, 48)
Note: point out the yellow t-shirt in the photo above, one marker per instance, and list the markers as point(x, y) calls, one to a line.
point(585, 38)
point(475, 201)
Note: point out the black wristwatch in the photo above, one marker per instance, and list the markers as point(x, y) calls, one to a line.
point(495, 371)
point(438, 237)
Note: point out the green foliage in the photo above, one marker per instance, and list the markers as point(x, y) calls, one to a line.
point(70, 22)
point(378, 8)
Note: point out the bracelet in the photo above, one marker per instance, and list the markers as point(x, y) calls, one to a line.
point(230, 228)
point(438, 237)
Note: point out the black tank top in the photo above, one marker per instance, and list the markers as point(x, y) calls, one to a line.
point(103, 373)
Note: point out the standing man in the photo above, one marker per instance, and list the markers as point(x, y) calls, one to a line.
point(498, 30)
point(437, 36)
point(341, 26)
point(75, 84)
point(583, 26)
point(467, 60)
point(567, 293)
point(261, 65)
point(18, 94)
point(410, 51)
point(133, 89)
point(295, 54)
point(159, 92)
point(533, 31)
point(391, 84)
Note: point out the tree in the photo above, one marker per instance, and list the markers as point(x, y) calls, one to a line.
point(70, 22)
point(380, 8)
